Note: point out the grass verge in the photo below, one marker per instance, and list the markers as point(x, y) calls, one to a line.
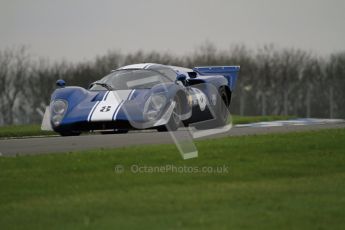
point(251, 119)
point(282, 181)
point(22, 131)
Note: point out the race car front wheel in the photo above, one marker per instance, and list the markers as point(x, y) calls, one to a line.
point(69, 133)
point(115, 131)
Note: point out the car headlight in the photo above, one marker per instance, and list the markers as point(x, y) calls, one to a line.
point(58, 110)
point(59, 107)
point(56, 119)
point(154, 105)
point(158, 101)
point(151, 115)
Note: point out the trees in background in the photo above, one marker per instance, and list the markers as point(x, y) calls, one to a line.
point(334, 84)
point(14, 71)
point(271, 81)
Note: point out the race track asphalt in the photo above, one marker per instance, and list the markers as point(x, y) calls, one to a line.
point(56, 144)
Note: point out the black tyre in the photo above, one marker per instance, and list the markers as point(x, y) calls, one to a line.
point(221, 110)
point(69, 133)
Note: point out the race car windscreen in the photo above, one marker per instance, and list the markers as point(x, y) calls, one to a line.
point(131, 79)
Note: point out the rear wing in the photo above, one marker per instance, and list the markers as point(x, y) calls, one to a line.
point(229, 72)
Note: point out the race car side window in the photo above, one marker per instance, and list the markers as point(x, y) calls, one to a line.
point(166, 71)
point(131, 79)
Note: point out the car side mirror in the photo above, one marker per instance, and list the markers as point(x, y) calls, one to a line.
point(60, 83)
point(192, 74)
point(182, 78)
point(92, 84)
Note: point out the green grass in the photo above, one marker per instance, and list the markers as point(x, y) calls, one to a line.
point(22, 131)
point(251, 119)
point(35, 130)
point(285, 181)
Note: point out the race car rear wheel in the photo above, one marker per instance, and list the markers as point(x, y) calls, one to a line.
point(221, 110)
point(175, 119)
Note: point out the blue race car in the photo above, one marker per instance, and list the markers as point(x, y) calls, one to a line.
point(143, 96)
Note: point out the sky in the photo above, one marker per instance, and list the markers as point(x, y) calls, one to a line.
point(77, 30)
